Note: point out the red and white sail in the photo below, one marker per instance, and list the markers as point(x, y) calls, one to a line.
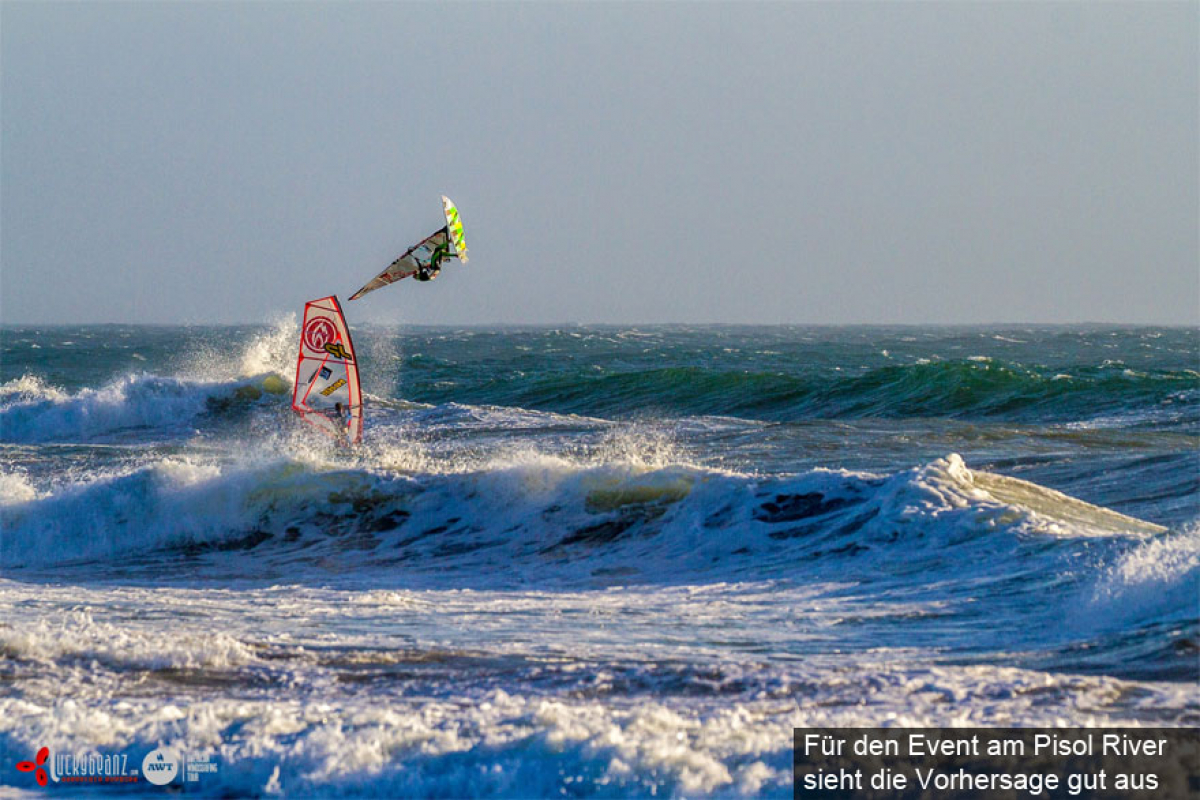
point(327, 393)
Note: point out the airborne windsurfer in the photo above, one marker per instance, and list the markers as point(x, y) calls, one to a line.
point(423, 261)
point(427, 272)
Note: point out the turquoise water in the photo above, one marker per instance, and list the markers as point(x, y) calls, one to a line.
point(590, 560)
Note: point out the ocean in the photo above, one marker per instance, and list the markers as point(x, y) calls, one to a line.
point(588, 560)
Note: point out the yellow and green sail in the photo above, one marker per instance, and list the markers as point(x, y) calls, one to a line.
point(454, 226)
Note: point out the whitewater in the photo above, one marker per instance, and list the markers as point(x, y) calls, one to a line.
point(589, 560)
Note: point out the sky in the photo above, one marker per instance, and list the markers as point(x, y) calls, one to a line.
point(810, 163)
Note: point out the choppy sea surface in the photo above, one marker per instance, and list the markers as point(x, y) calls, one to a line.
point(589, 560)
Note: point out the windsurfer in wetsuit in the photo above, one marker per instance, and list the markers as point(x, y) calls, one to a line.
point(339, 414)
point(427, 272)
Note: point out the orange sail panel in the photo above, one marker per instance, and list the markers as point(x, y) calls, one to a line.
point(327, 394)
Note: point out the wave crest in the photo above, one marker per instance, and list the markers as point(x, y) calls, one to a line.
point(551, 517)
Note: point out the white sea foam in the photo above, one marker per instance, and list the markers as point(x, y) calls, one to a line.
point(75, 635)
point(130, 512)
point(1156, 580)
point(279, 697)
point(15, 489)
point(28, 388)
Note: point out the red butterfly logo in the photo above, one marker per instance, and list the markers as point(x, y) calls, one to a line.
point(30, 766)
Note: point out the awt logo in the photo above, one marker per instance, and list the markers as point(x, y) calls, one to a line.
point(160, 766)
point(39, 771)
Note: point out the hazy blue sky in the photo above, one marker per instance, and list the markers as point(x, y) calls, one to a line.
point(809, 163)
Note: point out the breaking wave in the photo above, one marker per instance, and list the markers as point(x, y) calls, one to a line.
point(547, 516)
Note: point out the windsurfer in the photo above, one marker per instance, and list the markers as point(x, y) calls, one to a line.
point(326, 393)
point(427, 272)
point(424, 260)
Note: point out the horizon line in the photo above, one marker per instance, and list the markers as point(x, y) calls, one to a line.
point(561, 324)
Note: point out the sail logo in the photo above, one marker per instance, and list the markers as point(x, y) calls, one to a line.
point(39, 772)
point(318, 333)
point(333, 387)
point(338, 349)
point(324, 372)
